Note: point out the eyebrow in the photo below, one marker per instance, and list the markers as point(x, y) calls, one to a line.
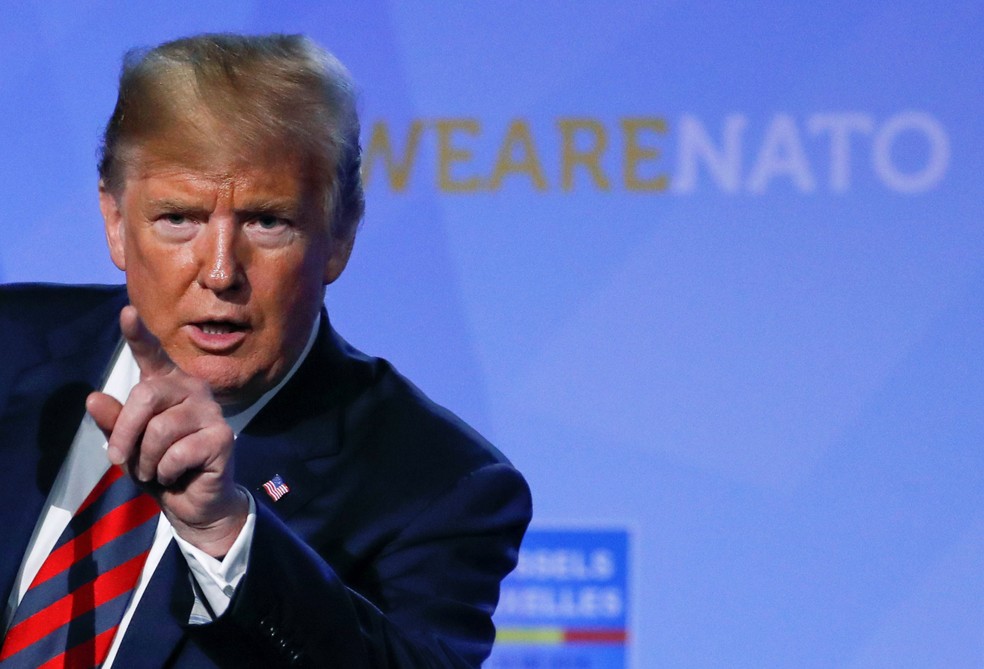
point(281, 206)
point(170, 203)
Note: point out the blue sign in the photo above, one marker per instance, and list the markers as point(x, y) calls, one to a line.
point(566, 605)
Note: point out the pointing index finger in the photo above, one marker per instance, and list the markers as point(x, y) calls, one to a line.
point(147, 351)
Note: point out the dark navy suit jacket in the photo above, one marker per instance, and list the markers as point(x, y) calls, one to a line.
point(387, 551)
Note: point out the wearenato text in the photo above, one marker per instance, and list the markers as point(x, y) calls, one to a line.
point(907, 152)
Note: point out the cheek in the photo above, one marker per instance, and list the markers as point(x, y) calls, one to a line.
point(294, 277)
point(156, 279)
point(157, 260)
point(291, 290)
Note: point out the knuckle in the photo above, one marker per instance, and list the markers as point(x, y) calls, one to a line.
point(175, 456)
point(144, 397)
point(220, 434)
point(156, 433)
point(225, 431)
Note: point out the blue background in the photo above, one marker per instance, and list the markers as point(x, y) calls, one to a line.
point(775, 380)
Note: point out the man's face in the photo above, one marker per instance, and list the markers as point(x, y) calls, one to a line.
point(226, 268)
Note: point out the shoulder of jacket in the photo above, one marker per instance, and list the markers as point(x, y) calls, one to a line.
point(44, 305)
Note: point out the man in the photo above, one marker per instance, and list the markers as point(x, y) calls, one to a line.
point(316, 509)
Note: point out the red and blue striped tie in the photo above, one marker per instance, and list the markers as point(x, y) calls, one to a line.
point(70, 614)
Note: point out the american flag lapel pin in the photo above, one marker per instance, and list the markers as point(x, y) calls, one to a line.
point(276, 487)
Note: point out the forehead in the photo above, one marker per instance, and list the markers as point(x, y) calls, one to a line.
point(166, 176)
point(155, 172)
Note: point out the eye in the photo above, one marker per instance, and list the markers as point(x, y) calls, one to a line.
point(270, 222)
point(269, 230)
point(175, 226)
point(175, 219)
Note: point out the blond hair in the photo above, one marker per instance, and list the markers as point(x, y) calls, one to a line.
point(275, 95)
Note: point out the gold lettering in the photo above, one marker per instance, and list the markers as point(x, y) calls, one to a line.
point(572, 156)
point(519, 135)
point(449, 154)
point(635, 154)
point(397, 172)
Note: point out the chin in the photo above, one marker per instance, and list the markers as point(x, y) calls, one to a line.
point(229, 382)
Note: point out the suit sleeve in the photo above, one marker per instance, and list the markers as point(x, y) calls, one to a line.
point(430, 602)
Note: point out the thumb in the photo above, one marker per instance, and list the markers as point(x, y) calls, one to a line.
point(104, 409)
point(147, 351)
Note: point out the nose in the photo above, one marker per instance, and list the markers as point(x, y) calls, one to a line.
point(220, 268)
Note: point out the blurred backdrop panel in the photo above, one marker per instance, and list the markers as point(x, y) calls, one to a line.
point(711, 274)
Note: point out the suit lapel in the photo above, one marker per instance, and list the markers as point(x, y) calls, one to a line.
point(160, 621)
point(39, 420)
point(300, 428)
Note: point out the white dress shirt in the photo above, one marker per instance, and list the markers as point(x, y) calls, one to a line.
point(85, 465)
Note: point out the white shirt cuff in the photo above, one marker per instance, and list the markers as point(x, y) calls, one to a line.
point(218, 578)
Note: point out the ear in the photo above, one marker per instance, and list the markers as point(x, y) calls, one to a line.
point(113, 222)
point(341, 249)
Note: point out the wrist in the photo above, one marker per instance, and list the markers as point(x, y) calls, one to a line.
point(216, 537)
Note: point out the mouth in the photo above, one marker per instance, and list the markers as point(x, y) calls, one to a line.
point(219, 327)
point(217, 336)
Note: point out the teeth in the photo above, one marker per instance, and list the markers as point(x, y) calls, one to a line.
point(216, 328)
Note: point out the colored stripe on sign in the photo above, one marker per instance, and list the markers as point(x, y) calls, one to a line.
point(595, 636)
point(557, 636)
point(530, 635)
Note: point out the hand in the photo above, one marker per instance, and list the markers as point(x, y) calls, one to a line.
point(170, 436)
